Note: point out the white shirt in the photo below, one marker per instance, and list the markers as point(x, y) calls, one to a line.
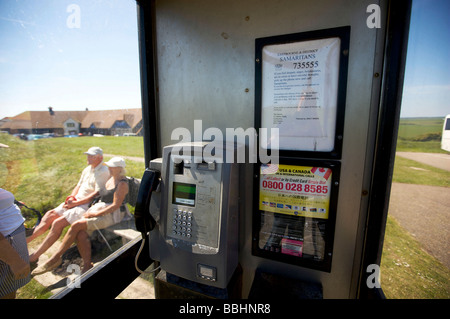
point(10, 216)
point(92, 180)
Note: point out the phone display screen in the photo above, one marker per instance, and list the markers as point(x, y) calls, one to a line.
point(184, 194)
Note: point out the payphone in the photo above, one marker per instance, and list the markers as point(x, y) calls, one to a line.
point(195, 214)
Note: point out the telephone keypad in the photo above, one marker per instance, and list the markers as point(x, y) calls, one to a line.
point(182, 223)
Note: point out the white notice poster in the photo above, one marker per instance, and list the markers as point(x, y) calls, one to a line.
point(299, 93)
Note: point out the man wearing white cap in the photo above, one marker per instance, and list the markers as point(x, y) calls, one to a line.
point(93, 179)
point(111, 209)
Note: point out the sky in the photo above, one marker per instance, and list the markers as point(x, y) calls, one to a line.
point(52, 54)
point(426, 90)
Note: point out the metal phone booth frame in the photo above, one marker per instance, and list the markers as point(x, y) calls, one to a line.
point(199, 60)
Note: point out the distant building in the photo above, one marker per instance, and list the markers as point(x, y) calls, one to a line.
point(60, 123)
point(112, 122)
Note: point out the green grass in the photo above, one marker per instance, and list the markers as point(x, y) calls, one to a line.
point(414, 146)
point(407, 271)
point(424, 147)
point(411, 128)
point(420, 135)
point(428, 176)
point(34, 290)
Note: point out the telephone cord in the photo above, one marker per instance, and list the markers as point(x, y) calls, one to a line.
point(137, 257)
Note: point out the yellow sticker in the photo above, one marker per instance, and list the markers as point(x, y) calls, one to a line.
point(295, 190)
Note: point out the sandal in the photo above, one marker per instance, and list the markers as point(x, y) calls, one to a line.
point(47, 267)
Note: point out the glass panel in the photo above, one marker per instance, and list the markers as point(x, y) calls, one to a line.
point(415, 261)
point(70, 82)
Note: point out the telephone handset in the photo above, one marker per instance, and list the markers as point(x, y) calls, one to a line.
point(143, 219)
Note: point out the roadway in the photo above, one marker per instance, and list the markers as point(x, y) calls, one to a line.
point(424, 211)
point(438, 160)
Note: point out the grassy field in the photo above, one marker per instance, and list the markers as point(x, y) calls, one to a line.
point(420, 135)
point(413, 128)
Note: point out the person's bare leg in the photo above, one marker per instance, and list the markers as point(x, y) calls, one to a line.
point(45, 224)
point(57, 227)
point(84, 247)
point(69, 239)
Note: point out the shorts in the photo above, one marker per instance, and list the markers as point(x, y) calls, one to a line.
point(72, 214)
point(8, 283)
point(101, 222)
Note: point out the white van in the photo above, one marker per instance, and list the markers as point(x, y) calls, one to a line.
point(445, 142)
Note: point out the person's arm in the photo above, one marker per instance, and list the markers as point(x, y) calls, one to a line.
point(119, 197)
point(72, 195)
point(73, 202)
point(100, 182)
point(9, 255)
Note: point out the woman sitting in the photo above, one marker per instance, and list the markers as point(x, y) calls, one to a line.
point(108, 211)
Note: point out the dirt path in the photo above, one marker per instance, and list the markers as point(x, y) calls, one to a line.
point(424, 211)
point(438, 160)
